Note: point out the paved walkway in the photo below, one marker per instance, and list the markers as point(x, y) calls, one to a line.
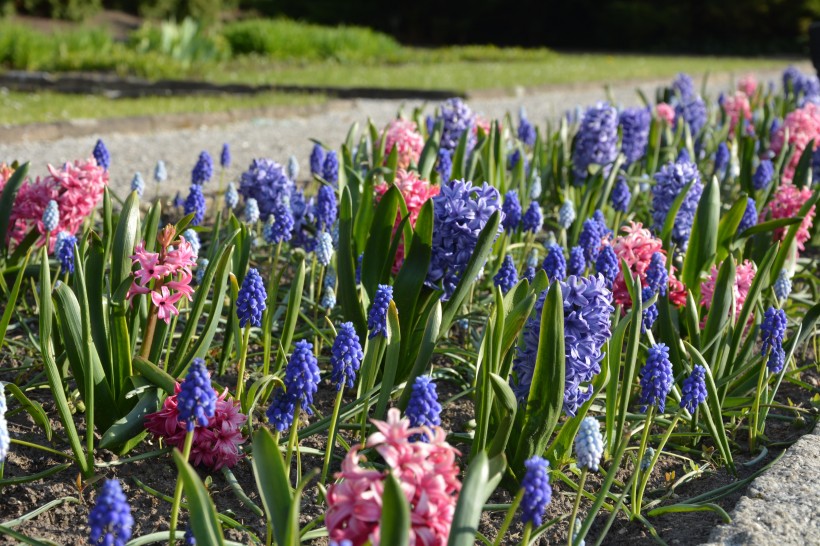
point(290, 134)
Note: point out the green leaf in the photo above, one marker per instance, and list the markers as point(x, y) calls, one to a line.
point(425, 352)
point(33, 408)
point(156, 375)
point(508, 407)
point(727, 230)
point(96, 291)
point(125, 239)
point(481, 479)
point(703, 240)
point(7, 200)
point(686, 508)
point(769, 225)
point(802, 173)
point(721, 311)
point(132, 424)
point(546, 396)
point(391, 362)
point(203, 519)
point(294, 304)
point(394, 528)
point(631, 357)
point(272, 482)
point(11, 303)
point(376, 252)
point(429, 153)
point(346, 261)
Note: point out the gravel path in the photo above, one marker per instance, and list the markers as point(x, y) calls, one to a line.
point(278, 138)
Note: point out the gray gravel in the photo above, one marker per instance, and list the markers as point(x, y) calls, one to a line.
point(781, 506)
point(280, 137)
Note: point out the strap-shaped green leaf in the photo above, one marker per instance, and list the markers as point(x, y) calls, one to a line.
point(394, 527)
point(203, 520)
point(7, 199)
point(703, 240)
point(348, 291)
point(272, 482)
point(483, 475)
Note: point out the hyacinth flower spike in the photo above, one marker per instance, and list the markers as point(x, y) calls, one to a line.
point(772, 333)
point(250, 306)
point(533, 498)
point(197, 405)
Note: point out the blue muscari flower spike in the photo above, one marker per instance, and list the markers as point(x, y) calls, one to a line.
point(193, 238)
point(532, 258)
point(5, 441)
point(657, 277)
point(359, 268)
point(512, 211)
point(566, 214)
point(507, 275)
point(749, 216)
point(280, 225)
point(330, 278)
point(646, 461)
point(324, 248)
point(293, 168)
point(345, 356)
point(110, 519)
point(722, 157)
point(178, 201)
point(160, 172)
point(231, 196)
point(444, 166)
point(197, 399)
point(693, 390)
point(535, 187)
point(763, 175)
point(537, 491)
point(51, 216)
point(203, 170)
point(377, 318)
point(607, 264)
point(328, 300)
point(772, 332)
point(657, 378)
point(195, 203)
point(526, 130)
point(423, 408)
point(783, 285)
point(251, 210)
point(533, 219)
point(138, 184)
point(589, 445)
point(326, 209)
point(597, 140)
point(317, 160)
point(250, 303)
point(621, 195)
point(64, 250)
point(513, 158)
point(529, 273)
point(576, 263)
point(301, 383)
point(190, 539)
point(201, 266)
point(670, 182)
point(225, 157)
point(590, 239)
point(101, 155)
point(330, 169)
point(634, 124)
point(555, 264)
point(650, 314)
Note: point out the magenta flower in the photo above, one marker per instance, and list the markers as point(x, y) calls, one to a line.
point(786, 203)
point(165, 303)
point(403, 136)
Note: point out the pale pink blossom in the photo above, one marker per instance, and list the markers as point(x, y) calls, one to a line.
point(803, 126)
point(665, 112)
point(736, 107)
point(428, 475)
point(744, 275)
point(215, 445)
point(747, 85)
point(480, 121)
point(403, 135)
point(786, 203)
point(165, 303)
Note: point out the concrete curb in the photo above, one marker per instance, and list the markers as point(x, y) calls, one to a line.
point(781, 506)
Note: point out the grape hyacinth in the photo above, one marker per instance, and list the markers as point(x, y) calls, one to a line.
point(646, 461)
point(64, 250)
point(110, 519)
point(250, 303)
point(293, 168)
point(537, 491)
point(587, 310)
point(231, 196)
point(423, 408)
point(772, 332)
point(301, 383)
point(650, 314)
point(670, 182)
point(377, 318)
point(607, 264)
point(577, 264)
point(101, 155)
point(5, 441)
point(193, 239)
point(783, 285)
point(178, 202)
point(634, 124)
point(460, 211)
point(279, 227)
point(763, 175)
point(317, 160)
point(507, 275)
point(512, 211)
point(225, 156)
point(566, 214)
point(526, 130)
point(265, 181)
point(138, 184)
point(693, 390)
point(555, 265)
point(324, 248)
point(621, 195)
point(203, 170)
point(657, 378)
point(345, 356)
point(326, 209)
point(51, 216)
point(328, 300)
point(160, 172)
point(749, 216)
point(533, 219)
point(195, 203)
point(251, 211)
point(597, 139)
point(722, 156)
point(657, 277)
point(196, 400)
point(535, 187)
point(201, 267)
point(589, 444)
point(330, 169)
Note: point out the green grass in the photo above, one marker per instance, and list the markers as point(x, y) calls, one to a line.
point(23, 108)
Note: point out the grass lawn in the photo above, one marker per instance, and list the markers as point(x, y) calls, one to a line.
point(22, 108)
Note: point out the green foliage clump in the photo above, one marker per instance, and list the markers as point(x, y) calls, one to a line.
point(187, 42)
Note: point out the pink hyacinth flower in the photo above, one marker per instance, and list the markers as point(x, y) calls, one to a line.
point(165, 303)
point(744, 275)
point(665, 112)
point(747, 85)
point(802, 126)
point(736, 107)
point(402, 135)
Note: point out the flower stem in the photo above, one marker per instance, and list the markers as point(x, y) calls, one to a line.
point(753, 420)
point(186, 452)
point(508, 519)
point(240, 373)
point(655, 457)
point(150, 327)
point(273, 289)
point(636, 508)
point(584, 473)
point(294, 429)
point(525, 540)
point(331, 435)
